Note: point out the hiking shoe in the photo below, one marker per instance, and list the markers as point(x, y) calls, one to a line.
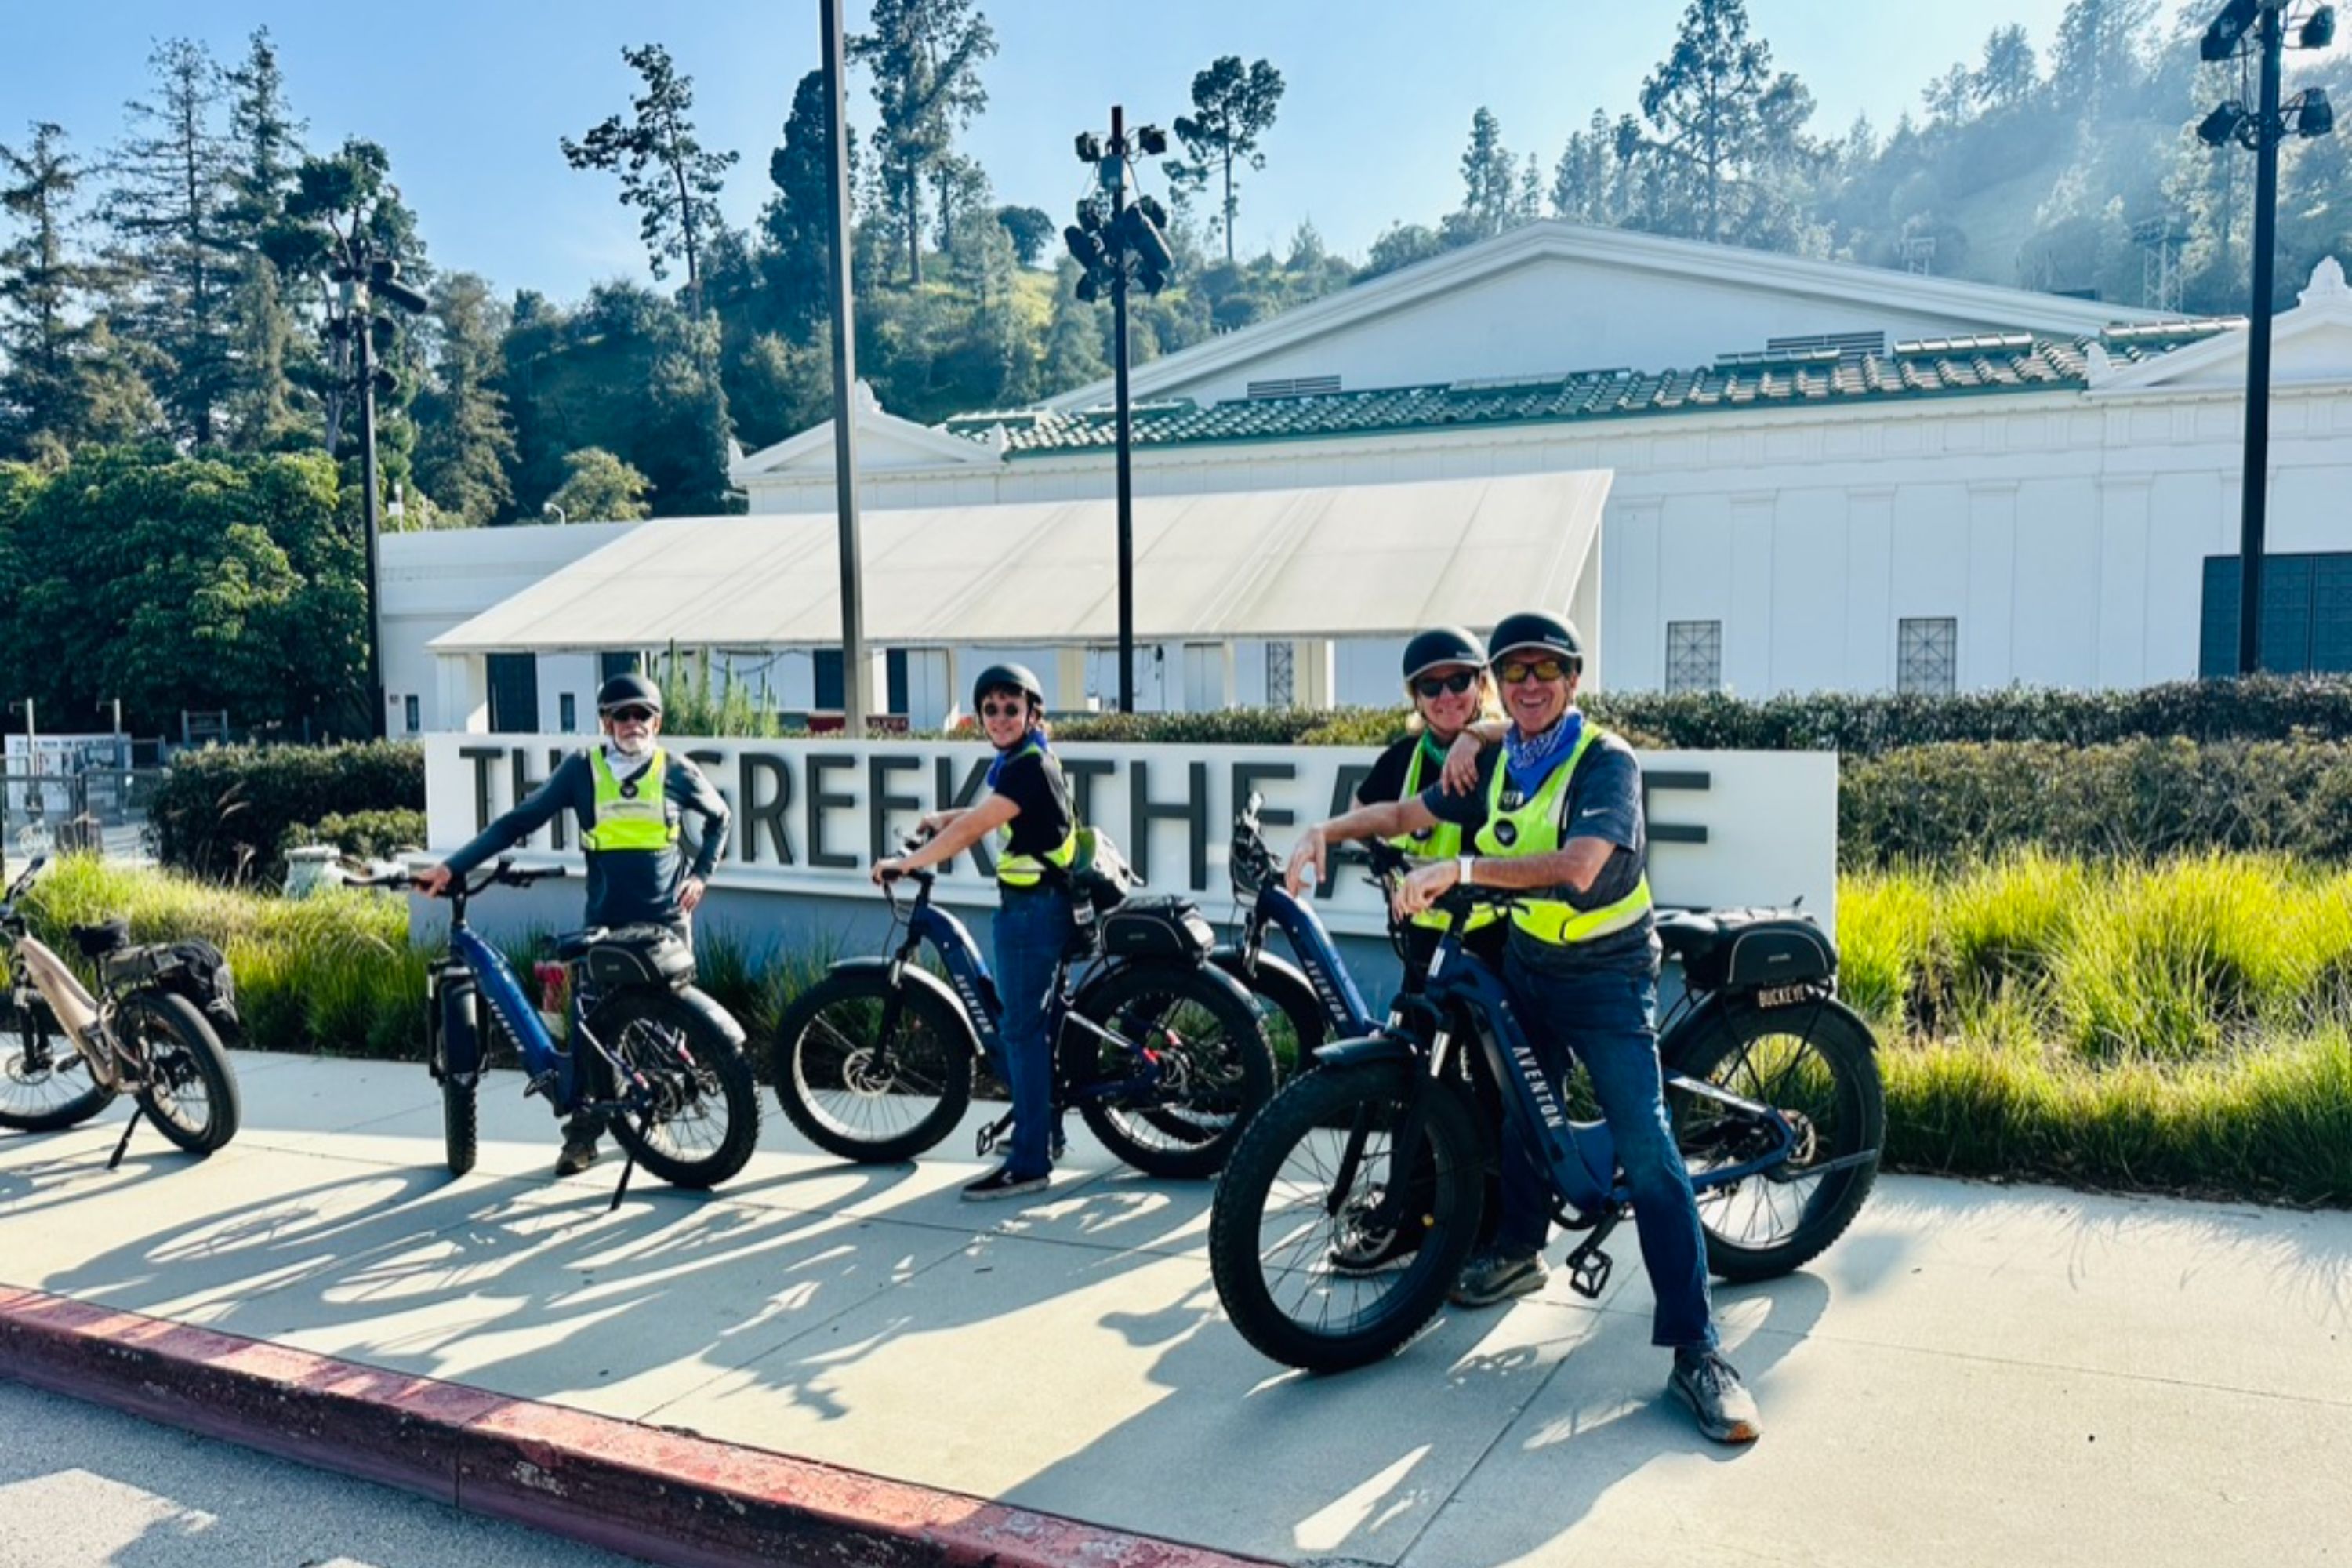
point(1497, 1276)
point(1710, 1385)
point(1001, 1183)
point(579, 1154)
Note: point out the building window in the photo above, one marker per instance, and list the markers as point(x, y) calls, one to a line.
point(1928, 657)
point(609, 665)
point(568, 707)
point(514, 693)
point(409, 710)
point(1280, 690)
point(1694, 656)
point(829, 685)
point(2306, 614)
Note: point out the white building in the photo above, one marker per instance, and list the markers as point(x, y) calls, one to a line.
point(1825, 476)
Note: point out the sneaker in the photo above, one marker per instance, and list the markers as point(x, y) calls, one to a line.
point(1710, 1385)
point(1497, 1276)
point(579, 1154)
point(1001, 1183)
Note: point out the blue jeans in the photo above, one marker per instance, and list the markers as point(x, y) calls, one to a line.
point(1608, 1020)
point(1032, 929)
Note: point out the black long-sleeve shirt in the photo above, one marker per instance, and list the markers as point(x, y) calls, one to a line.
point(626, 886)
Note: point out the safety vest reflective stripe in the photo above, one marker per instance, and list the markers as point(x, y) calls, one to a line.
point(630, 814)
point(1441, 842)
point(1027, 871)
point(1534, 829)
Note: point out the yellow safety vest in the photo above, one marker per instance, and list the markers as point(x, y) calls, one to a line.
point(1442, 841)
point(1534, 829)
point(631, 814)
point(1027, 871)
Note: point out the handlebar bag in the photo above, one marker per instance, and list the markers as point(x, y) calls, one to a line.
point(638, 955)
point(1163, 929)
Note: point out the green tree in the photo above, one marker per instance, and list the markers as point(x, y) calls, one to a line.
point(1589, 182)
point(1075, 337)
point(1400, 245)
point(166, 207)
point(66, 381)
point(1727, 135)
point(925, 56)
point(797, 222)
point(2097, 63)
point(1233, 106)
point(465, 443)
point(262, 403)
point(1489, 182)
point(600, 488)
point(2009, 71)
point(174, 581)
point(1031, 229)
point(664, 170)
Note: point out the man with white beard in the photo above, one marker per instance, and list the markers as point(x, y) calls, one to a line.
point(637, 874)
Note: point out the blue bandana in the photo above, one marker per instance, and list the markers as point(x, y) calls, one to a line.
point(1528, 762)
point(1033, 738)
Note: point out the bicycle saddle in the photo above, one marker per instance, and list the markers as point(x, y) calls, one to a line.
point(98, 941)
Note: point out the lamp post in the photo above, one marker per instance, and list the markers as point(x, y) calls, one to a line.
point(856, 684)
point(363, 277)
point(2254, 31)
point(1118, 243)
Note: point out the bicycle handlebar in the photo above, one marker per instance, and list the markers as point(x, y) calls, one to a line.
point(502, 870)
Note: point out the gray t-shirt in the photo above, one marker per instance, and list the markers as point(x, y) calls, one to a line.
point(1604, 800)
point(626, 886)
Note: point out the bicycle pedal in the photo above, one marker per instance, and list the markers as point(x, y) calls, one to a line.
point(1588, 1273)
point(993, 1137)
point(542, 1084)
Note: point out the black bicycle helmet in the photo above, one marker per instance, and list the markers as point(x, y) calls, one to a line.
point(1532, 630)
point(1442, 644)
point(628, 691)
point(1008, 678)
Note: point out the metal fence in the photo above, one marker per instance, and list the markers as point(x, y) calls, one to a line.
point(103, 810)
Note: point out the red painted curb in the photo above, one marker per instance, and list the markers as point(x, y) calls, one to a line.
point(650, 1492)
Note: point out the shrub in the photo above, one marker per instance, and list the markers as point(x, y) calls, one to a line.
point(367, 835)
point(223, 813)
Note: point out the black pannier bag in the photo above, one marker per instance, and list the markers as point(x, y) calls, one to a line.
point(1743, 949)
point(1164, 928)
point(195, 969)
point(638, 955)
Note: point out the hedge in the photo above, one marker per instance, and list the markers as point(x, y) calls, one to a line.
point(2140, 800)
point(224, 812)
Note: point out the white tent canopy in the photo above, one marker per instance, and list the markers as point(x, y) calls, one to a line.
point(1352, 561)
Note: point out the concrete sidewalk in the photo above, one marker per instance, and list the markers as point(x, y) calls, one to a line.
point(1973, 1375)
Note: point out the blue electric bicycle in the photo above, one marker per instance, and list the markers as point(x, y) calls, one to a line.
point(1352, 1201)
point(1158, 1050)
point(657, 1061)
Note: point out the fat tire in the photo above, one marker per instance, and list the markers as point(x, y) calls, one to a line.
point(688, 1012)
point(1200, 1146)
point(1725, 1054)
point(1316, 1104)
point(858, 988)
point(185, 1022)
point(14, 1037)
point(459, 1018)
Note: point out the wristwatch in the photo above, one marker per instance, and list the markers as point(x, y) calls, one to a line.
point(1462, 868)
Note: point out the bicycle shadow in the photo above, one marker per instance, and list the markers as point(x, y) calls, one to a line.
point(1482, 1412)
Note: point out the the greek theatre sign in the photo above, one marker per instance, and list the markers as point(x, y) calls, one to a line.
point(1726, 827)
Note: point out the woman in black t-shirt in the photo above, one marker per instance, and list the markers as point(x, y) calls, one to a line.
point(1445, 680)
point(1028, 804)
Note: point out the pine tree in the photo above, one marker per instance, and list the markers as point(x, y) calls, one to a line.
point(925, 56)
point(1728, 145)
point(797, 222)
point(167, 211)
point(664, 170)
point(1489, 182)
point(266, 349)
point(1233, 106)
point(67, 381)
point(465, 442)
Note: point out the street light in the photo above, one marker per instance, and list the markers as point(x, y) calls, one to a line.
point(2258, 28)
point(1119, 242)
point(366, 276)
point(546, 507)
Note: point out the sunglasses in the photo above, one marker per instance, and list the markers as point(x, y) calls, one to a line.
point(1520, 669)
point(631, 715)
point(1442, 685)
point(1005, 709)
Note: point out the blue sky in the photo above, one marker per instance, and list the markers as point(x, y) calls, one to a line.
point(470, 98)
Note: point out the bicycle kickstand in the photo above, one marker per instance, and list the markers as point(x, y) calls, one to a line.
point(128, 1127)
point(1587, 1266)
point(628, 1169)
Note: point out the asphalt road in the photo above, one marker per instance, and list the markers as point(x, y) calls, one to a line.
point(81, 1485)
